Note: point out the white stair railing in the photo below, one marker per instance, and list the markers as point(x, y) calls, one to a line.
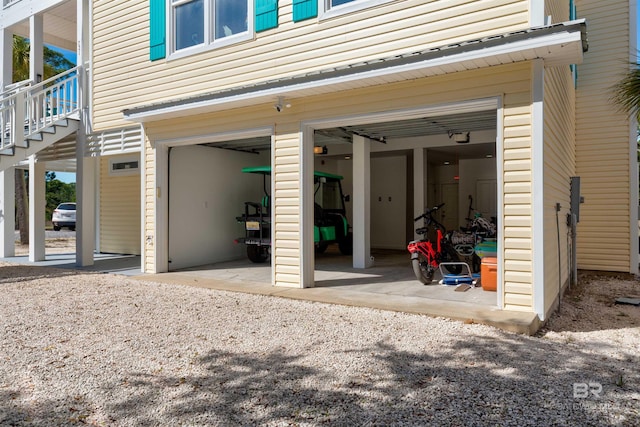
point(9, 119)
point(26, 109)
point(52, 100)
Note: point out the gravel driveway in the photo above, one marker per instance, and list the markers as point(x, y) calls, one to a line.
point(99, 349)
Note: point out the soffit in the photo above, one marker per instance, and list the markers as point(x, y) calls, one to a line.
point(59, 25)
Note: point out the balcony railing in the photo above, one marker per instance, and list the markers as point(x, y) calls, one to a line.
point(27, 109)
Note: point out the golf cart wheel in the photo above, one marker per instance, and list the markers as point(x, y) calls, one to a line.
point(56, 228)
point(257, 254)
point(422, 269)
point(346, 245)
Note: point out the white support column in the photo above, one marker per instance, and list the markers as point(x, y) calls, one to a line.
point(418, 184)
point(7, 215)
point(361, 202)
point(37, 205)
point(6, 55)
point(36, 45)
point(537, 179)
point(161, 228)
point(83, 57)
point(307, 267)
point(85, 201)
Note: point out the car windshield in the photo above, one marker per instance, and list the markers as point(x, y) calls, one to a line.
point(67, 206)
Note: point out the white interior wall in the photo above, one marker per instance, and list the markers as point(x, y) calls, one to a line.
point(207, 192)
point(472, 171)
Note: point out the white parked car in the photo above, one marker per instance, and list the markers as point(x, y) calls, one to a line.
point(64, 216)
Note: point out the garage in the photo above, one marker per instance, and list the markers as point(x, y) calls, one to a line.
point(458, 151)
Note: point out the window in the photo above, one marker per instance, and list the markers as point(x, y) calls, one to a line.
point(339, 7)
point(209, 23)
point(333, 3)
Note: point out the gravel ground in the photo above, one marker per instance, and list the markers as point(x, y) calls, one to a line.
point(100, 349)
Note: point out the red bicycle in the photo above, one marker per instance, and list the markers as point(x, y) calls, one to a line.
point(426, 258)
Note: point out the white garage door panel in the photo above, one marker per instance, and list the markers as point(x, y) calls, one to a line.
point(207, 192)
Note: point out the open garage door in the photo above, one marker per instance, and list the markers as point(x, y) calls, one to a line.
point(414, 165)
point(207, 191)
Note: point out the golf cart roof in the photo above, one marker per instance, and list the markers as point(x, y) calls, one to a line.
point(266, 170)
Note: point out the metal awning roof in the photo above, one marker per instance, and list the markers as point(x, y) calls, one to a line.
point(556, 44)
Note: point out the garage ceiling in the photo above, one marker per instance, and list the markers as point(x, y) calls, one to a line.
point(386, 131)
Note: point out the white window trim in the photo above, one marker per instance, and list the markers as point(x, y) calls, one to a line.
point(326, 13)
point(209, 44)
point(124, 172)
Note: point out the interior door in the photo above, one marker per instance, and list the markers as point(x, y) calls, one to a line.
point(449, 212)
point(388, 202)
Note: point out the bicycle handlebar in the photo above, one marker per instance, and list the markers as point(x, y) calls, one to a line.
point(428, 212)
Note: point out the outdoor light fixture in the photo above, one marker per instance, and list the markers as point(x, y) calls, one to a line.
point(320, 150)
point(281, 104)
point(459, 137)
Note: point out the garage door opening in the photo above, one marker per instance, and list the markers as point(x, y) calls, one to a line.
point(413, 165)
point(207, 192)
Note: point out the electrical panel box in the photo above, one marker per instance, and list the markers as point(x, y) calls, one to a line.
point(576, 198)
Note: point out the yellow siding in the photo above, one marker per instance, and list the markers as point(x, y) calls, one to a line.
point(511, 82)
point(287, 194)
point(119, 211)
point(124, 77)
point(517, 244)
point(559, 166)
point(603, 140)
point(558, 10)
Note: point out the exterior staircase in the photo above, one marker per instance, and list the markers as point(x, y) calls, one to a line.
point(34, 116)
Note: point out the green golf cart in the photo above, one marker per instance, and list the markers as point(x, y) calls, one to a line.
point(330, 221)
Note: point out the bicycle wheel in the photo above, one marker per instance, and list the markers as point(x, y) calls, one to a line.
point(449, 254)
point(422, 269)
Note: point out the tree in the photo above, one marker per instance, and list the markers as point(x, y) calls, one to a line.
point(54, 63)
point(22, 217)
point(627, 96)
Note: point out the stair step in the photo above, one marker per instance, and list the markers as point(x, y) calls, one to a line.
point(50, 129)
point(36, 137)
point(8, 151)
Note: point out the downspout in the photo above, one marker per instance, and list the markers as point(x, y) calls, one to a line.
point(168, 205)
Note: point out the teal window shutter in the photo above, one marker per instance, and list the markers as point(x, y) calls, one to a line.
point(157, 29)
point(572, 10)
point(266, 14)
point(304, 9)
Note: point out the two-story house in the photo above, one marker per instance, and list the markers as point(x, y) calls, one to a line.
point(414, 102)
